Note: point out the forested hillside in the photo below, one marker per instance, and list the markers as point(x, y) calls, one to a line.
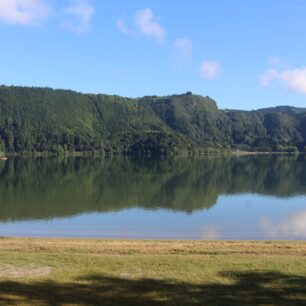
point(51, 121)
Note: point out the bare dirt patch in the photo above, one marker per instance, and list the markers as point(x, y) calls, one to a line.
point(12, 271)
point(132, 274)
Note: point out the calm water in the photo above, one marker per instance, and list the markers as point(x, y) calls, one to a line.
point(261, 197)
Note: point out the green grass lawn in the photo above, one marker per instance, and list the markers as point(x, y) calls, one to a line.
point(125, 272)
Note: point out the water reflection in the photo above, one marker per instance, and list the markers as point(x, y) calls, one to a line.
point(43, 188)
point(294, 226)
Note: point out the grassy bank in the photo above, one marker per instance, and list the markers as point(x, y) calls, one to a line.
point(115, 272)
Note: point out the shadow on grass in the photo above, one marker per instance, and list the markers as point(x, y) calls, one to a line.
point(245, 289)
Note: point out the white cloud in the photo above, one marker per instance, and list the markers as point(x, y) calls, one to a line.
point(268, 77)
point(210, 69)
point(293, 227)
point(81, 13)
point(121, 25)
point(184, 50)
point(23, 12)
point(294, 79)
point(147, 24)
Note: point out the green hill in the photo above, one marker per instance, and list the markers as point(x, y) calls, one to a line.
point(62, 121)
point(283, 109)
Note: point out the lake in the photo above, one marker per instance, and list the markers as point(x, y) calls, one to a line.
point(214, 197)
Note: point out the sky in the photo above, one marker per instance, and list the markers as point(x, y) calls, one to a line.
point(245, 54)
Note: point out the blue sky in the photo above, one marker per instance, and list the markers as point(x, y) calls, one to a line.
point(244, 54)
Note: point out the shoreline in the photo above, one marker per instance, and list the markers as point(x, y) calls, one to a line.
point(119, 155)
point(151, 241)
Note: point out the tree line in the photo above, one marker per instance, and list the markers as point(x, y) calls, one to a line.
point(58, 122)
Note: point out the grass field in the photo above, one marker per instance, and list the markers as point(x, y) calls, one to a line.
point(119, 272)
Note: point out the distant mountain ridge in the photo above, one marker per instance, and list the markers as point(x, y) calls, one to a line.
point(283, 109)
point(43, 120)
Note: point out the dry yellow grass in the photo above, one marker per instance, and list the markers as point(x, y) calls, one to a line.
point(127, 272)
point(113, 246)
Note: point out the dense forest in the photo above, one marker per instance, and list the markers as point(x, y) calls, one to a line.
point(43, 120)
